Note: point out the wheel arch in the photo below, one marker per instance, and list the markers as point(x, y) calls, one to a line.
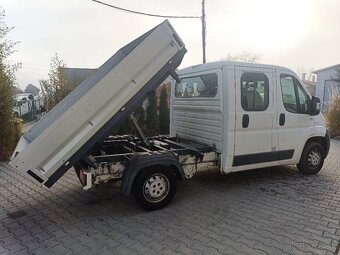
point(312, 157)
point(140, 162)
point(16, 114)
point(323, 140)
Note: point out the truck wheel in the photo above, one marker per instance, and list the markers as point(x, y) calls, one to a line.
point(312, 158)
point(155, 187)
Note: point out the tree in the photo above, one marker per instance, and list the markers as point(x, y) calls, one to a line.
point(16, 90)
point(56, 87)
point(164, 112)
point(8, 135)
point(151, 121)
point(244, 56)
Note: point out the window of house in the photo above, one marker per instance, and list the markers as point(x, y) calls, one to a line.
point(254, 91)
point(204, 85)
point(295, 98)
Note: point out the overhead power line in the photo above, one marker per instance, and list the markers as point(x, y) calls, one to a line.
point(147, 14)
point(202, 18)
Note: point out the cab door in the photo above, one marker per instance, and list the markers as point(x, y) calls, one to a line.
point(255, 134)
point(294, 125)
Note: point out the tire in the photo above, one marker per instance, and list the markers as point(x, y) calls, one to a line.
point(155, 187)
point(312, 158)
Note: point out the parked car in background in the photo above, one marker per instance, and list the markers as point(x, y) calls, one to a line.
point(22, 104)
point(26, 106)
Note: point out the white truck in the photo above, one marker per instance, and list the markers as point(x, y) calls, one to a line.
point(23, 104)
point(226, 114)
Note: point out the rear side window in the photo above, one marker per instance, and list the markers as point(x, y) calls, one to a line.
point(254, 91)
point(204, 85)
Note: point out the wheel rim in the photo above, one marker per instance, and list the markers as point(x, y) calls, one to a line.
point(314, 158)
point(156, 188)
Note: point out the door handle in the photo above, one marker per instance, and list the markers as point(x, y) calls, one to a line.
point(282, 119)
point(245, 120)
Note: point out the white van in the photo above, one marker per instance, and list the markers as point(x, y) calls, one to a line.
point(22, 104)
point(254, 116)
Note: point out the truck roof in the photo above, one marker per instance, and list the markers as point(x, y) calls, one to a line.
point(22, 95)
point(220, 64)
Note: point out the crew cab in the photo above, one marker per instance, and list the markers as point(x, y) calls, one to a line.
point(253, 115)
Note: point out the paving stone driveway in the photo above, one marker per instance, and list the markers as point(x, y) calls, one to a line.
point(268, 211)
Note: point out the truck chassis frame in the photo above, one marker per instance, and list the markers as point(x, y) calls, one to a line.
point(108, 161)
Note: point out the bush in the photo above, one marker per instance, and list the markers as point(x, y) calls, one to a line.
point(333, 116)
point(9, 127)
point(56, 87)
point(7, 140)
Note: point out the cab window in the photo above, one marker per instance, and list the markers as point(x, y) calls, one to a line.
point(295, 98)
point(204, 85)
point(254, 91)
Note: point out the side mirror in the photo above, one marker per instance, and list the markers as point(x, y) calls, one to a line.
point(315, 106)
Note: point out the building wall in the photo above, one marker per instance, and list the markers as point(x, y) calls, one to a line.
point(324, 77)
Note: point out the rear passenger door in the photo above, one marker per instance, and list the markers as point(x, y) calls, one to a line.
point(255, 139)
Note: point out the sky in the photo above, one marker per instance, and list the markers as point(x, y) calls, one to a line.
point(299, 34)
